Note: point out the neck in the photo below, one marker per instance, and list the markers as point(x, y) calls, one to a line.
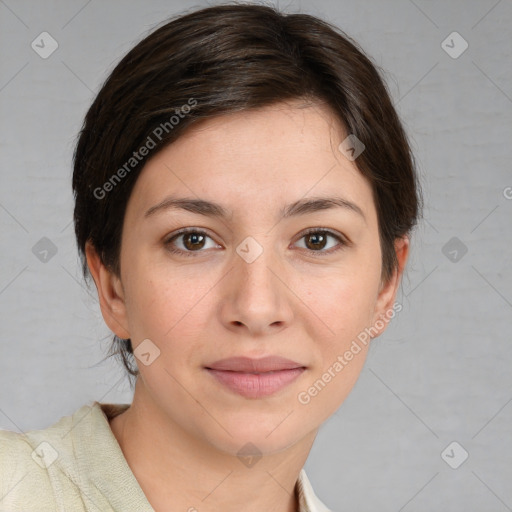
point(173, 465)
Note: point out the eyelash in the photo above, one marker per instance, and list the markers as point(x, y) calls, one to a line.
point(342, 241)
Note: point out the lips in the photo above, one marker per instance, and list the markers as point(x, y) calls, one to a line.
point(249, 365)
point(255, 378)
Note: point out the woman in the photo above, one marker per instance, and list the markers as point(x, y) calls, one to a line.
point(245, 195)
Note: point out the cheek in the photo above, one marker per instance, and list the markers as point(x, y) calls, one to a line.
point(344, 303)
point(147, 290)
point(345, 307)
point(167, 306)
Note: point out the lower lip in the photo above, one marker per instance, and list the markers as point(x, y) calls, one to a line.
point(251, 385)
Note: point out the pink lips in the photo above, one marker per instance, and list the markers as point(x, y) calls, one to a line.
point(255, 378)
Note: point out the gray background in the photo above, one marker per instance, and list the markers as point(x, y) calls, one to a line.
point(441, 372)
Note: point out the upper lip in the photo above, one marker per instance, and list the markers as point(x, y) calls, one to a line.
point(250, 365)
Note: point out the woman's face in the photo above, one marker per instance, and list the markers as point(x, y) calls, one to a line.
point(251, 282)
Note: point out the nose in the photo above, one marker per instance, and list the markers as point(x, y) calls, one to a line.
point(257, 297)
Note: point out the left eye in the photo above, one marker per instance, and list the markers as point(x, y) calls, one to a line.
point(316, 240)
point(194, 240)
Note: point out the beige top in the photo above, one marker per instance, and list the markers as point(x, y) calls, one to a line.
point(77, 465)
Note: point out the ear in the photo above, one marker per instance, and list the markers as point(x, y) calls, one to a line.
point(388, 290)
point(110, 293)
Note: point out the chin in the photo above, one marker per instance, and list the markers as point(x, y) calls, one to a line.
point(269, 433)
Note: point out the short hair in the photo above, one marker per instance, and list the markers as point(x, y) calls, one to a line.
point(220, 60)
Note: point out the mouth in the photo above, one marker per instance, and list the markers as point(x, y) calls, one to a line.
point(255, 378)
point(251, 365)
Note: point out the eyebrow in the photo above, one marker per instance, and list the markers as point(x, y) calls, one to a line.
point(211, 209)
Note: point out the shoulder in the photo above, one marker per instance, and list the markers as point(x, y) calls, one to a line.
point(22, 477)
point(32, 464)
point(14, 449)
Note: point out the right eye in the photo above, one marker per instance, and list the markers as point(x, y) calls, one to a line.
point(192, 241)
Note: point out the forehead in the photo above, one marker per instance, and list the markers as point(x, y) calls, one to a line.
point(256, 158)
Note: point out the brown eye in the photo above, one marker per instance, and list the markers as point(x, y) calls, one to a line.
point(189, 241)
point(317, 240)
point(193, 241)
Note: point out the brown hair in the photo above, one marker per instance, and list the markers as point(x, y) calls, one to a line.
point(220, 60)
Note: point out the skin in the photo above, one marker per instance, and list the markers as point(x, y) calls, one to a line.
point(183, 430)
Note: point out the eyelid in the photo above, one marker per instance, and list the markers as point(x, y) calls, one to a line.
point(329, 231)
point(176, 234)
point(342, 239)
